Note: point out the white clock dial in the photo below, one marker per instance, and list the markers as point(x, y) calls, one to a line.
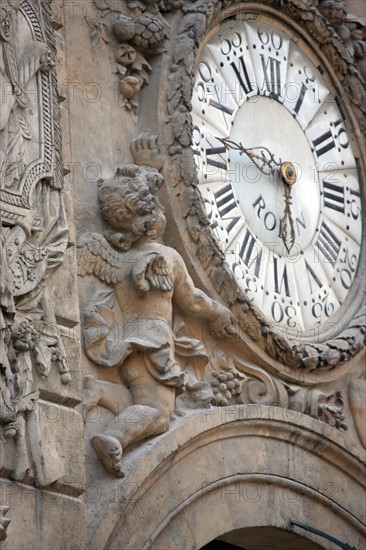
point(256, 87)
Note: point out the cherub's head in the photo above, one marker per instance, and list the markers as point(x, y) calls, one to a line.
point(128, 203)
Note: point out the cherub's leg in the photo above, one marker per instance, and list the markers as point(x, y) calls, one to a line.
point(132, 424)
point(114, 397)
point(148, 416)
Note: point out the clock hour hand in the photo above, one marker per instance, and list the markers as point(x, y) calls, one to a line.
point(265, 161)
point(261, 157)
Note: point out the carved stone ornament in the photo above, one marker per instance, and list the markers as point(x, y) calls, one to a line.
point(136, 31)
point(132, 324)
point(33, 227)
point(235, 380)
point(340, 39)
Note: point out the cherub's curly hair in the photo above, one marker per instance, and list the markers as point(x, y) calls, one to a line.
point(127, 203)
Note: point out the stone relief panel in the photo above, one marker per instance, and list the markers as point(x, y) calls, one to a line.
point(34, 233)
point(132, 323)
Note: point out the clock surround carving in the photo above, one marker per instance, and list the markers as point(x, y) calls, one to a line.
point(308, 357)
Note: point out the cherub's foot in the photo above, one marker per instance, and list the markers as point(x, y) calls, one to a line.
point(91, 395)
point(109, 450)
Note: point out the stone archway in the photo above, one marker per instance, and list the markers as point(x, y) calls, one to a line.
point(240, 468)
point(264, 538)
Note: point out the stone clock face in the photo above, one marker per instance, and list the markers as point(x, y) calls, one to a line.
point(256, 87)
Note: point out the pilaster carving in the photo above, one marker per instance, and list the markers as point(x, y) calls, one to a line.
point(34, 231)
point(134, 325)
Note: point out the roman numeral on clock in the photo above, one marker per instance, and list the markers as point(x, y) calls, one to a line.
point(226, 202)
point(326, 142)
point(221, 107)
point(272, 75)
point(328, 244)
point(311, 273)
point(280, 280)
point(300, 99)
point(242, 75)
point(251, 252)
point(333, 196)
point(210, 151)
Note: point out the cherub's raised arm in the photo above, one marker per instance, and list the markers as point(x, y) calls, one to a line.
point(195, 302)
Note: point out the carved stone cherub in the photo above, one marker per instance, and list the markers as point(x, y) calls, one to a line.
point(145, 280)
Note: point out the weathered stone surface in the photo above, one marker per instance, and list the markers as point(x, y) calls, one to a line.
point(42, 519)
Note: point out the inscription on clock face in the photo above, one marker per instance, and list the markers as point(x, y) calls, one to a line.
point(256, 87)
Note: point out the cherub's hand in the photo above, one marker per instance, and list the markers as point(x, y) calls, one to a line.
point(144, 150)
point(224, 324)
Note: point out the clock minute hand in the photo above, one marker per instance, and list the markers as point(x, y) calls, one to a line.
point(288, 176)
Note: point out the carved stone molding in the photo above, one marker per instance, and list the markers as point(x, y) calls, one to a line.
point(344, 51)
point(34, 232)
point(357, 401)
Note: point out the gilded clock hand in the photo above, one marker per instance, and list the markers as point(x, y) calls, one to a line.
point(267, 164)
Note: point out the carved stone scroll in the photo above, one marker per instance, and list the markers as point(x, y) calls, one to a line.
point(235, 380)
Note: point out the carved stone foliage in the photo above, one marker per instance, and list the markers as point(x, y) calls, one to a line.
point(132, 324)
point(136, 31)
point(341, 39)
point(34, 232)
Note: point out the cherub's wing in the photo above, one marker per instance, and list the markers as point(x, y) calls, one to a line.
point(97, 257)
point(153, 272)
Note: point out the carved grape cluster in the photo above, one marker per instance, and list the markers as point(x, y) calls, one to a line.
point(226, 385)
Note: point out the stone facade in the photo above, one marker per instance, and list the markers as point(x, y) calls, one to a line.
point(145, 402)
